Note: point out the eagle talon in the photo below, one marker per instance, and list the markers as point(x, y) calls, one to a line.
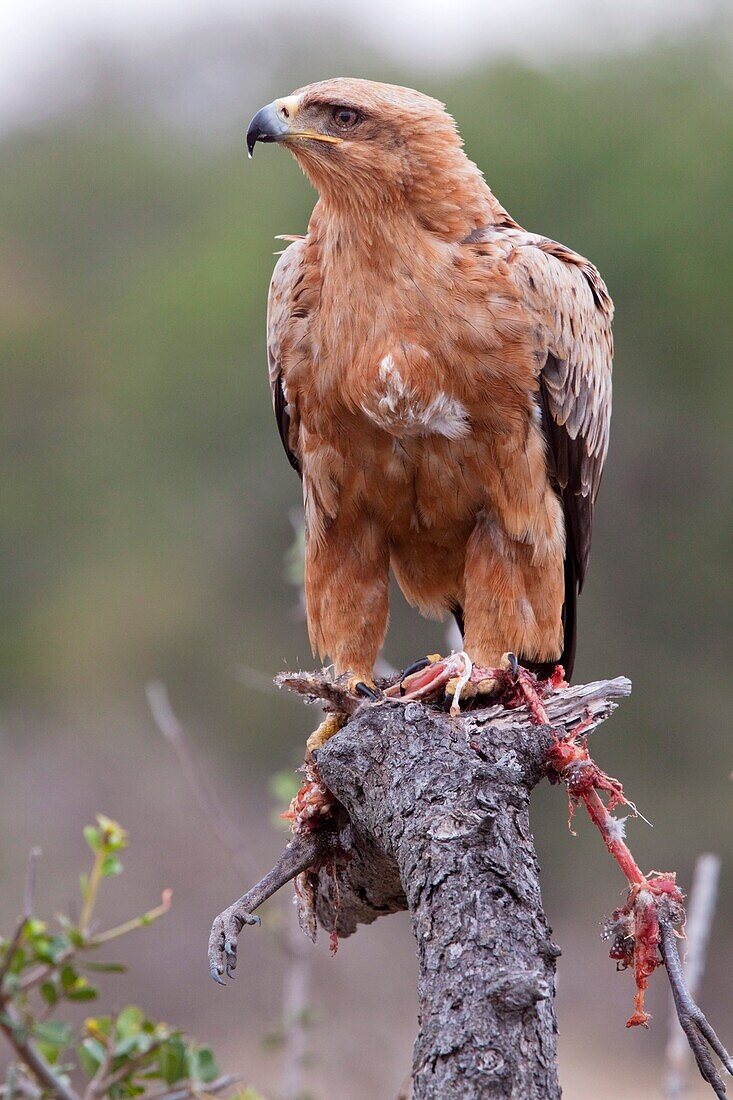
point(416, 666)
point(366, 691)
point(512, 664)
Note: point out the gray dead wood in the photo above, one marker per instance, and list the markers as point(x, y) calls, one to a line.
point(439, 825)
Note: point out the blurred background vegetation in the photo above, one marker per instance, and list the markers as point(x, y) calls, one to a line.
point(145, 516)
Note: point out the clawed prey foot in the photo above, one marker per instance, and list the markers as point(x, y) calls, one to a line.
point(309, 849)
point(223, 941)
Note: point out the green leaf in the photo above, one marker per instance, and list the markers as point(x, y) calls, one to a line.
point(49, 1052)
point(18, 961)
point(172, 1060)
point(106, 968)
point(111, 866)
point(44, 950)
point(136, 1042)
point(90, 1055)
point(83, 993)
point(49, 993)
point(93, 837)
point(203, 1065)
point(68, 976)
point(54, 1033)
point(129, 1021)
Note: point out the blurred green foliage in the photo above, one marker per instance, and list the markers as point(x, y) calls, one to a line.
point(125, 1054)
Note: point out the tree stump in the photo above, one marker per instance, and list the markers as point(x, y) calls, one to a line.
point(432, 817)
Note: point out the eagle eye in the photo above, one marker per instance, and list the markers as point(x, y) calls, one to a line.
point(346, 118)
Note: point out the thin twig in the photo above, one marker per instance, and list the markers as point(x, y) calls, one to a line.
point(693, 1021)
point(18, 1085)
point(30, 885)
point(132, 1065)
point(296, 981)
point(30, 882)
point(40, 973)
point(134, 922)
point(700, 912)
point(14, 1032)
point(12, 1028)
point(227, 833)
point(95, 1088)
point(192, 1088)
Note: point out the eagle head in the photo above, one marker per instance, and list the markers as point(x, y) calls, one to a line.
point(367, 145)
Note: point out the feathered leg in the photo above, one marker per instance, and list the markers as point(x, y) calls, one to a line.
point(513, 599)
point(347, 595)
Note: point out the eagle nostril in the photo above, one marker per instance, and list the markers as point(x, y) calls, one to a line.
point(284, 112)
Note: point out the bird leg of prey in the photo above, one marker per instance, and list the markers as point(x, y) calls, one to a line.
point(305, 850)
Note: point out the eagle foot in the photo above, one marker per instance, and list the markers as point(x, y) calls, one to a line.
point(428, 679)
point(363, 686)
point(365, 691)
point(330, 725)
point(417, 666)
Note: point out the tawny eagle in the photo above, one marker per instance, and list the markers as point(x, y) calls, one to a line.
point(441, 380)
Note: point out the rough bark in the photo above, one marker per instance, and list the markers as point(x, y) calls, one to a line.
point(438, 824)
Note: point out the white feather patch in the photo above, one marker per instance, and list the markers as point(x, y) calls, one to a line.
point(399, 409)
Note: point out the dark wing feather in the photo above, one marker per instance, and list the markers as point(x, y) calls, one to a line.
point(280, 307)
point(282, 417)
point(572, 312)
point(565, 456)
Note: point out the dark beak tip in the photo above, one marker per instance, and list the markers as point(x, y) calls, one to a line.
point(265, 126)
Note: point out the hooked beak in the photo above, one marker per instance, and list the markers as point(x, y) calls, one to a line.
point(267, 125)
point(275, 123)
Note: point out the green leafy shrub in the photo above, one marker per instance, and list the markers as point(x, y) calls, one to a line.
point(125, 1054)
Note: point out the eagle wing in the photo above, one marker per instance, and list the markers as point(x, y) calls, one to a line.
point(572, 313)
point(281, 313)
